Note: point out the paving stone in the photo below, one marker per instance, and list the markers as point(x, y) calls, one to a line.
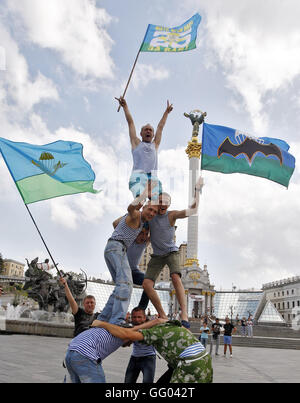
point(38, 359)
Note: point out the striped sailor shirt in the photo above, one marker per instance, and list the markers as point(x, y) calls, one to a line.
point(124, 233)
point(95, 343)
point(193, 350)
point(142, 350)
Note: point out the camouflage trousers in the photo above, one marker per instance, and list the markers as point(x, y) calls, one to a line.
point(197, 370)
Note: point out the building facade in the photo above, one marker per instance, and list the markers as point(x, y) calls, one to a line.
point(12, 268)
point(285, 296)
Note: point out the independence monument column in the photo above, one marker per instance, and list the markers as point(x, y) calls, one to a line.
point(193, 151)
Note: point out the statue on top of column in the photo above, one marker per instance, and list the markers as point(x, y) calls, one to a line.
point(197, 118)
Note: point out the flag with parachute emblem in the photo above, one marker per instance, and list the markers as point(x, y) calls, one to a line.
point(47, 171)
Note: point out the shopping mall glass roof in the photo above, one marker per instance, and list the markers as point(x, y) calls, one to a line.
point(102, 291)
point(226, 303)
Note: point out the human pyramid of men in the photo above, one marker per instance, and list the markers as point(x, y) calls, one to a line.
point(148, 217)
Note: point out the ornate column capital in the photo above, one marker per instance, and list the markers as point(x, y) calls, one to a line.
point(190, 262)
point(194, 148)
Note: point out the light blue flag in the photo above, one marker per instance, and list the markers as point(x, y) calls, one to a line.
point(47, 171)
point(177, 39)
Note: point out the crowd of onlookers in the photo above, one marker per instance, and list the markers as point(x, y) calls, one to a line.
point(245, 325)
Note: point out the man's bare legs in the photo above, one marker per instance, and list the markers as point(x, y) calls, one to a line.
point(148, 286)
point(225, 348)
point(180, 295)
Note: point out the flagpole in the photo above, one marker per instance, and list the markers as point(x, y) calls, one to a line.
point(11, 174)
point(35, 224)
point(130, 75)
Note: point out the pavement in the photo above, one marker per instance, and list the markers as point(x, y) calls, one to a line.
point(38, 359)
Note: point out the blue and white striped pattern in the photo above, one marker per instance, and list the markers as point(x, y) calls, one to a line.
point(162, 235)
point(142, 350)
point(192, 350)
point(125, 233)
point(95, 343)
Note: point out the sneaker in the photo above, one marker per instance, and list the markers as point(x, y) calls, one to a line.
point(217, 353)
point(185, 324)
point(230, 355)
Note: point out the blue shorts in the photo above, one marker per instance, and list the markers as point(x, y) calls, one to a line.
point(227, 340)
point(138, 181)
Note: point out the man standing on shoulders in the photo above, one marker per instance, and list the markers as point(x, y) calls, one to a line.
point(116, 259)
point(165, 251)
point(134, 254)
point(144, 152)
point(229, 329)
point(143, 358)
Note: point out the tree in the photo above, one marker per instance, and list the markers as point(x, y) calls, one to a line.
point(1, 264)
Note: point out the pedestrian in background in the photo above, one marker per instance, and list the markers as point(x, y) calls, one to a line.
point(243, 327)
point(250, 327)
point(215, 339)
point(204, 332)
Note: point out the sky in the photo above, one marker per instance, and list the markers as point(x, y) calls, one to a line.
point(61, 65)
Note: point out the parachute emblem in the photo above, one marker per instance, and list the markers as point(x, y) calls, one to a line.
point(47, 164)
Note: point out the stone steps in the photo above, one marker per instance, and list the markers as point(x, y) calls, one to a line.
point(263, 342)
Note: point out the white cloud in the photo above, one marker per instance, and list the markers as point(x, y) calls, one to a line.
point(74, 29)
point(144, 73)
point(256, 46)
point(17, 87)
point(253, 220)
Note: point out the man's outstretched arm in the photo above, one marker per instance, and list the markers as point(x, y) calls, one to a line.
point(134, 140)
point(161, 125)
point(125, 333)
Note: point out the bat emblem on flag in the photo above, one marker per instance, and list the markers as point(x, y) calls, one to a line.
point(249, 148)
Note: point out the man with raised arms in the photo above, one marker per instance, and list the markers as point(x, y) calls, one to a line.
point(144, 152)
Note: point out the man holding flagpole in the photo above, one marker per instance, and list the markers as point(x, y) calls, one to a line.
point(144, 152)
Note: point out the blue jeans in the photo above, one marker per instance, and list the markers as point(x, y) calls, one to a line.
point(138, 278)
point(117, 305)
point(146, 365)
point(82, 369)
point(204, 341)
